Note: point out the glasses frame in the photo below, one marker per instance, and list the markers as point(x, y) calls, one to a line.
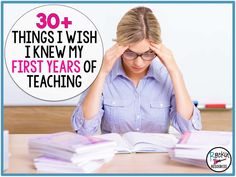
point(139, 55)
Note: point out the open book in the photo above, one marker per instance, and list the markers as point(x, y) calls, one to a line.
point(141, 142)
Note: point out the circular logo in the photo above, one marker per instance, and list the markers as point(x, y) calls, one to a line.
point(218, 159)
point(53, 52)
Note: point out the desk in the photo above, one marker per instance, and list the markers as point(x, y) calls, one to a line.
point(20, 162)
point(19, 119)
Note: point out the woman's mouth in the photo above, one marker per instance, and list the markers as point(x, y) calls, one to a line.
point(137, 68)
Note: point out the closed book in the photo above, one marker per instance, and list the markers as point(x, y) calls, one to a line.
point(73, 157)
point(71, 142)
point(204, 139)
point(193, 147)
point(54, 165)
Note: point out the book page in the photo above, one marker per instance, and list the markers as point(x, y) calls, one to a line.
point(150, 142)
point(122, 145)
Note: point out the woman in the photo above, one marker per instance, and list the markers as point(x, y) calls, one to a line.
point(139, 87)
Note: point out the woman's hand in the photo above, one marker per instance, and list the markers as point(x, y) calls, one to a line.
point(166, 56)
point(111, 56)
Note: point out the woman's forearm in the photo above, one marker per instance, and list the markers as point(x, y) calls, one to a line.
point(184, 104)
point(91, 103)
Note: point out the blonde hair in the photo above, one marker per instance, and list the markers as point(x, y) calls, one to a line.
point(137, 24)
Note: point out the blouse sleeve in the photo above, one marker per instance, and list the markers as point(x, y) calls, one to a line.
point(181, 124)
point(83, 126)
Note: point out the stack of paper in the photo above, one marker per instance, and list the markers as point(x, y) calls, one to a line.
point(194, 146)
point(69, 152)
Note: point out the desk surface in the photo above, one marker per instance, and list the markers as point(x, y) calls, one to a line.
point(20, 162)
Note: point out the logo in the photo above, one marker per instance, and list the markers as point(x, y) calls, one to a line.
point(218, 159)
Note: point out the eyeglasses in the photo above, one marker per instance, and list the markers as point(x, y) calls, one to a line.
point(147, 56)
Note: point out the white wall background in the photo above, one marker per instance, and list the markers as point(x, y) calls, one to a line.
point(200, 36)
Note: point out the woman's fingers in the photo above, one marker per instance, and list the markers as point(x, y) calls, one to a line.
point(118, 51)
point(112, 49)
point(164, 54)
point(116, 47)
point(158, 46)
point(111, 56)
point(157, 51)
point(161, 47)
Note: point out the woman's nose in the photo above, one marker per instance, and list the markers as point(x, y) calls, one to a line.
point(138, 61)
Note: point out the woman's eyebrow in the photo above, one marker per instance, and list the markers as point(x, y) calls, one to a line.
point(128, 50)
point(150, 50)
